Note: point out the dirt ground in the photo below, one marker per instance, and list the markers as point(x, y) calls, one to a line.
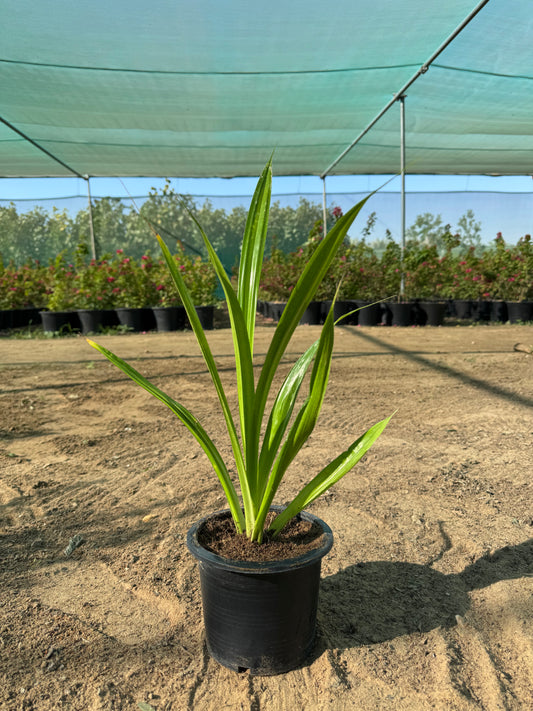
point(426, 598)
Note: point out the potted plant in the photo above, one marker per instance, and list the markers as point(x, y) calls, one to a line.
point(201, 281)
point(133, 291)
point(275, 285)
point(427, 275)
point(260, 606)
point(514, 280)
point(93, 292)
point(61, 314)
point(168, 309)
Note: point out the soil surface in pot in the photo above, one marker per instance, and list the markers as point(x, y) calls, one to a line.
point(296, 538)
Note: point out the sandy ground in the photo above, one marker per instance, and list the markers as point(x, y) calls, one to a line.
point(426, 598)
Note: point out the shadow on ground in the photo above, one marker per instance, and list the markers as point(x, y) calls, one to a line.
point(373, 602)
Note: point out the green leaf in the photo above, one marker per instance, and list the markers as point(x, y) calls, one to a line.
point(253, 247)
point(305, 420)
point(192, 425)
point(299, 299)
point(282, 410)
point(206, 352)
point(330, 475)
point(245, 378)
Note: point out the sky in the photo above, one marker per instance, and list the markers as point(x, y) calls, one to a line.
point(500, 203)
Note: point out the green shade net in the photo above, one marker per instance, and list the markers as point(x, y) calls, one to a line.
point(209, 88)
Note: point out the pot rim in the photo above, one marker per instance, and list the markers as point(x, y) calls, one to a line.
point(260, 567)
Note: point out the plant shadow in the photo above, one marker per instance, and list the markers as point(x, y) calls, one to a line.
point(374, 602)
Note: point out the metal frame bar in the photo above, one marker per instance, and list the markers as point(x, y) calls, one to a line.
point(423, 69)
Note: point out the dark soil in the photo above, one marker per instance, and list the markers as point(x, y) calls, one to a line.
point(295, 539)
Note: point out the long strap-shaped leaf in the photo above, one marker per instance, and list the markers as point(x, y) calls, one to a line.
point(208, 356)
point(245, 376)
point(253, 247)
point(299, 299)
point(331, 474)
point(304, 423)
point(192, 425)
point(281, 412)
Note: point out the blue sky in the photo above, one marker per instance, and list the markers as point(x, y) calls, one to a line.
point(28, 188)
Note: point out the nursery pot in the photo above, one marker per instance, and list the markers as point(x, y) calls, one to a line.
point(434, 312)
point(274, 309)
point(94, 320)
point(169, 318)
point(369, 314)
point(137, 319)
point(402, 313)
point(25, 317)
point(520, 311)
point(60, 321)
point(340, 308)
point(498, 311)
point(260, 617)
point(312, 316)
point(462, 308)
point(6, 318)
point(206, 314)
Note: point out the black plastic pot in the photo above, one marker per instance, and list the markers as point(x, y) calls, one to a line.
point(340, 309)
point(274, 309)
point(6, 319)
point(94, 320)
point(434, 312)
point(312, 316)
point(498, 311)
point(137, 319)
point(60, 321)
point(462, 308)
point(260, 617)
point(169, 318)
point(520, 311)
point(206, 314)
point(25, 317)
point(368, 314)
point(402, 313)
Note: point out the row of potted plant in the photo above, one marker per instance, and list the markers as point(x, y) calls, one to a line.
point(502, 273)
point(113, 283)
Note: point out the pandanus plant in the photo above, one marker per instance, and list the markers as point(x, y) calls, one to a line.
point(262, 461)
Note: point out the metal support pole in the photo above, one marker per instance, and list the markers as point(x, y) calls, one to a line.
point(91, 225)
point(402, 162)
point(324, 207)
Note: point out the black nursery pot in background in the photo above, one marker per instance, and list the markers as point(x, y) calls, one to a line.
point(312, 316)
point(169, 318)
point(260, 617)
point(136, 319)
point(95, 320)
point(60, 321)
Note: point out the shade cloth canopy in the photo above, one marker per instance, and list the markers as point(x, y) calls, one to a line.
point(209, 88)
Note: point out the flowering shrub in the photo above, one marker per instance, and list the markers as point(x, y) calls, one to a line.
point(165, 289)
point(61, 291)
point(23, 287)
point(511, 269)
point(276, 279)
point(94, 284)
point(502, 272)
